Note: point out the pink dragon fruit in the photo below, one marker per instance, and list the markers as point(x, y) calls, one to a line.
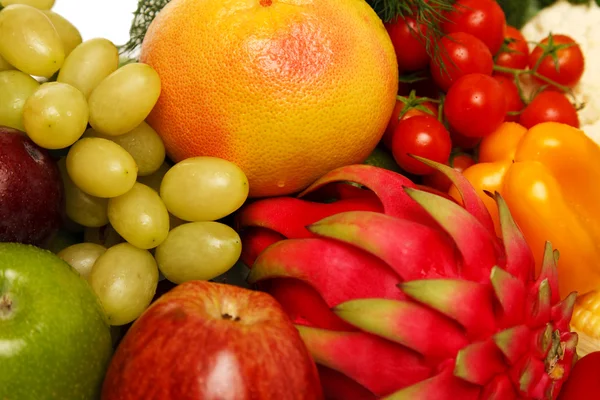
point(403, 294)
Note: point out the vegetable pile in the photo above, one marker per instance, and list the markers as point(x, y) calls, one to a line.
point(500, 115)
point(582, 22)
point(486, 75)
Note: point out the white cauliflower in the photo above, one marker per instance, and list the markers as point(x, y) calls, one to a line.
point(582, 23)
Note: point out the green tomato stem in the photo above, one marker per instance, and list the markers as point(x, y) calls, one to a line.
point(518, 72)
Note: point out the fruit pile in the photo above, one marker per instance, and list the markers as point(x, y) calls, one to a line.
point(90, 112)
point(447, 264)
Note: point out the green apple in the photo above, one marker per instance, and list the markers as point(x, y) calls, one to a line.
point(55, 341)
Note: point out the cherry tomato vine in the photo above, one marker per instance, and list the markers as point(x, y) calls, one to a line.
point(485, 75)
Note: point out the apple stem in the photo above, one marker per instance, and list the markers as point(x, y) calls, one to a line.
point(5, 306)
point(229, 317)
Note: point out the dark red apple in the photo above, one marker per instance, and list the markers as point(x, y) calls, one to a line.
point(31, 190)
point(212, 341)
point(584, 379)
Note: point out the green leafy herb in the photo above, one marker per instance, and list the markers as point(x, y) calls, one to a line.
point(427, 13)
point(517, 11)
point(146, 11)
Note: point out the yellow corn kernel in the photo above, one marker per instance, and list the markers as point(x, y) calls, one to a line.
point(586, 315)
point(586, 322)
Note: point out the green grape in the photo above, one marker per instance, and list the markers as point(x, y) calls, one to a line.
point(144, 145)
point(198, 250)
point(105, 236)
point(154, 179)
point(124, 99)
point(80, 207)
point(29, 41)
point(15, 89)
point(4, 65)
point(204, 189)
point(82, 256)
point(140, 217)
point(124, 278)
point(39, 4)
point(56, 115)
point(68, 33)
point(88, 64)
point(101, 168)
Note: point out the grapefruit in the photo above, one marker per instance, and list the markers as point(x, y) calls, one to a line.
point(286, 89)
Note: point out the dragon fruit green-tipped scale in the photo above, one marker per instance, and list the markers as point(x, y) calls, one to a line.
point(402, 294)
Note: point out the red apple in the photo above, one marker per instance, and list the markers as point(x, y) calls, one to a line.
point(211, 341)
point(31, 190)
point(584, 380)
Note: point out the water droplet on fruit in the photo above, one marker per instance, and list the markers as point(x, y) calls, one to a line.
point(281, 184)
point(34, 153)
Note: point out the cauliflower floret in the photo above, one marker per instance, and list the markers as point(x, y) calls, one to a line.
point(582, 23)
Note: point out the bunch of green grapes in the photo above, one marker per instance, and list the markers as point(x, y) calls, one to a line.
point(142, 217)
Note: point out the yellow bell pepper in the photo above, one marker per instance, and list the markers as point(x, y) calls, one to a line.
point(502, 144)
point(486, 176)
point(549, 176)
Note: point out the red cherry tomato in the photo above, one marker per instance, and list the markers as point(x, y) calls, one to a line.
point(461, 54)
point(548, 106)
point(475, 105)
point(483, 19)
point(400, 108)
point(422, 136)
point(439, 181)
point(408, 39)
point(584, 381)
point(516, 54)
point(511, 95)
point(570, 61)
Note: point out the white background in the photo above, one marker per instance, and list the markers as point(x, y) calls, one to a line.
point(109, 19)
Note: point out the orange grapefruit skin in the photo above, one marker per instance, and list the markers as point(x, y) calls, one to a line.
point(286, 89)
